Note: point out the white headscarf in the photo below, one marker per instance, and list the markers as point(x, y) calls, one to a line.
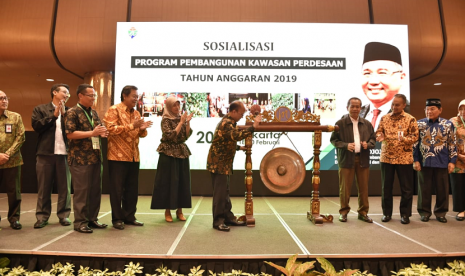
point(460, 104)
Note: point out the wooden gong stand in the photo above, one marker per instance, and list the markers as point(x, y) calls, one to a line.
point(270, 124)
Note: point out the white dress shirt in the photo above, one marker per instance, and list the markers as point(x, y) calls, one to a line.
point(356, 135)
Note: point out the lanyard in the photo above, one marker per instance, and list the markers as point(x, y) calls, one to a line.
point(91, 120)
point(462, 120)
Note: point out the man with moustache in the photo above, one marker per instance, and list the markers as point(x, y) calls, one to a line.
point(83, 129)
point(11, 139)
point(52, 166)
point(220, 160)
point(397, 132)
point(125, 127)
point(353, 142)
point(434, 156)
point(382, 78)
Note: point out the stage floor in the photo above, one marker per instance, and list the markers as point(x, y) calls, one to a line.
point(281, 230)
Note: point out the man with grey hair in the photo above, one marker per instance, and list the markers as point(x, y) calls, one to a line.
point(11, 139)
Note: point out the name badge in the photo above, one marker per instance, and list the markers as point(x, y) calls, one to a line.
point(8, 128)
point(95, 143)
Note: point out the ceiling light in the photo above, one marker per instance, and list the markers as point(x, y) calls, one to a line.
point(438, 83)
point(50, 80)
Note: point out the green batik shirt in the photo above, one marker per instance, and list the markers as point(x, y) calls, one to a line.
point(223, 148)
point(11, 138)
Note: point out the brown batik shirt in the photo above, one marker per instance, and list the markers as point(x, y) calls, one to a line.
point(123, 138)
point(172, 143)
point(81, 151)
point(11, 138)
point(394, 151)
point(223, 148)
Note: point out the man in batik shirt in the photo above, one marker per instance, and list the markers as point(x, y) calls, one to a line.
point(11, 139)
point(397, 131)
point(434, 156)
point(83, 129)
point(220, 162)
point(125, 127)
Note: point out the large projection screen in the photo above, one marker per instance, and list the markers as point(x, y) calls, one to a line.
point(270, 64)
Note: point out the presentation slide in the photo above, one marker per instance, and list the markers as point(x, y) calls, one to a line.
point(304, 66)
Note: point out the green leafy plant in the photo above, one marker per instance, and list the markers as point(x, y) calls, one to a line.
point(282, 99)
point(295, 268)
point(197, 103)
point(4, 262)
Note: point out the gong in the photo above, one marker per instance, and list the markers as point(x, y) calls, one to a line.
point(282, 170)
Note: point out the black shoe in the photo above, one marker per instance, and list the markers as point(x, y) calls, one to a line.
point(40, 224)
point(235, 223)
point(404, 220)
point(457, 217)
point(222, 227)
point(119, 225)
point(441, 219)
point(16, 225)
point(96, 224)
point(65, 222)
point(135, 222)
point(424, 218)
point(84, 229)
point(343, 218)
point(386, 218)
point(365, 218)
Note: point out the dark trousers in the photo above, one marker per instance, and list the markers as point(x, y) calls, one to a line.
point(346, 178)
point(221, 206)
point(457, 183)
point(53, 169)
point(11, 179)
point(124, 190)
point(405, 176)
point(87, 185)
point(427, 179)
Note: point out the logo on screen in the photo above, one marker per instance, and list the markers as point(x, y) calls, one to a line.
point(132, 32)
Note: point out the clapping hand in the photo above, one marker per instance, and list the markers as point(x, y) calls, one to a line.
point(146, 125)
point(380, 137)
point(100, 131)
point(257, 120)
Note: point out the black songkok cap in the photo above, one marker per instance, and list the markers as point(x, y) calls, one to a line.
point(433, 102)
point(381, 51)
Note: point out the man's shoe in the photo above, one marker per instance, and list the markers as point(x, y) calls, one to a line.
point(365, 218)
point(343, 218)
point(386, 218)
point(424, 218)
point(96, 224)
point(221, 227)
point(235, 223)
point(459, 218)
point(40, 224)
point(404, 220)
point(84, 229)
point(16, 225)
point(441, 219)
point(65, 222)
point(119, 225)
point(135, 222)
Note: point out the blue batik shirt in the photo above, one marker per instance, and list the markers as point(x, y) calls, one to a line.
point(435, 147)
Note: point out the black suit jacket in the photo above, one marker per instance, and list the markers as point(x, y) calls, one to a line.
point(44, 122)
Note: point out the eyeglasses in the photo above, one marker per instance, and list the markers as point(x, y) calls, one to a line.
point(6, 99)
point(90, 95)
point(381, 75)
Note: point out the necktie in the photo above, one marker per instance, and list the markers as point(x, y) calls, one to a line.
point(375, 116)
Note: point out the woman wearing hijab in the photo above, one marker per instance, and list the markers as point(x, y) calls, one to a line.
point(457, 177)
point(306, 106)
point(172, 189)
